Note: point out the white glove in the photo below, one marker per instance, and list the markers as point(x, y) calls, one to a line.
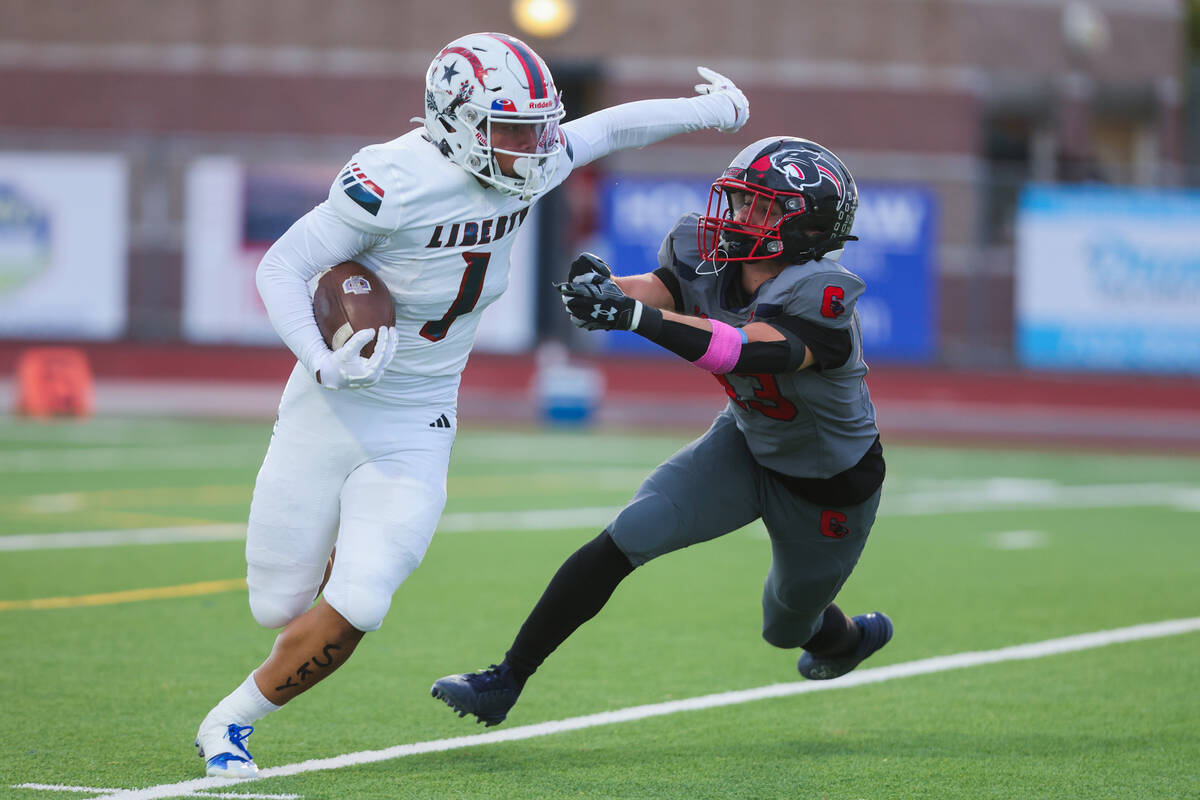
point(344, 368)
point(718, 84)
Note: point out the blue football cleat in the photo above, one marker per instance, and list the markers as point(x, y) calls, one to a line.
point(224, 752)
point(488, 694)
point(876, 632)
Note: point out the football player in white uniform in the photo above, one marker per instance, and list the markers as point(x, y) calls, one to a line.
point(434, 213)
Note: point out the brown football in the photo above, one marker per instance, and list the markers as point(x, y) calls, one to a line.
point(351, 298)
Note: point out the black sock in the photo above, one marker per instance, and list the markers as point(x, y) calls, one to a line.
point(575, 594)
point(837, 636)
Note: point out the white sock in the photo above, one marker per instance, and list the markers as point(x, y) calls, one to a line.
point(244, 705)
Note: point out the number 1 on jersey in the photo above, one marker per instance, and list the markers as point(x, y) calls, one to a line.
point(468, 295)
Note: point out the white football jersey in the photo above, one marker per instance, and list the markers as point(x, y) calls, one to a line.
point(444, 248)
point(439, 239)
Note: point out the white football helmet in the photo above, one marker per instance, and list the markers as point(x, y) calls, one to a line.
point(483, 79)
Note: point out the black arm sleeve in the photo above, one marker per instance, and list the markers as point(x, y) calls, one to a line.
point(772, 357)
point(692, 343)
point(831, 347)
point(671, 281)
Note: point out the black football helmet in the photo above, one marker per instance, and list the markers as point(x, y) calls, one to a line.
point(816, 198)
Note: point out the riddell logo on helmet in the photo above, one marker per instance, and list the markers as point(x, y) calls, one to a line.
point(541, 103)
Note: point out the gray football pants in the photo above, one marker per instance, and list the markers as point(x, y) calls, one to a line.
point(712, 487)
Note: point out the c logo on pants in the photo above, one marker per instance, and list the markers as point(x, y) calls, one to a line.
point(833, 524)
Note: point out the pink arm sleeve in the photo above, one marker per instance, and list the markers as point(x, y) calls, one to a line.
point(723, 349)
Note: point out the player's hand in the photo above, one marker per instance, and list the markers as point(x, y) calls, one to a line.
point(719, 84)
point(600, 306)
point(345, 368)
point(589, 268)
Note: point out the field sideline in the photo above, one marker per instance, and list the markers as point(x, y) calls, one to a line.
point(977, 555)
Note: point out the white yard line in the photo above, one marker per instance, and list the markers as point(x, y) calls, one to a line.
point(105, 459)
point(63, 541)
point(1000, 494)
point(994, 494)
point(462, 522)
point(926, 666)
point(57, 787)
point(54, 787)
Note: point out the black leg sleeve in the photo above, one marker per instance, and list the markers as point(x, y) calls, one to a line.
point(837, 635)
point(575, 594)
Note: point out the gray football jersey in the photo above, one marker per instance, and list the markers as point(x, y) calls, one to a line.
point(809, 423)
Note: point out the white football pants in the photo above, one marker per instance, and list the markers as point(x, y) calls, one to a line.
point(343, 468)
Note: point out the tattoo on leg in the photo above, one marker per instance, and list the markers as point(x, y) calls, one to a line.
point(328, 656)
point(304, 671)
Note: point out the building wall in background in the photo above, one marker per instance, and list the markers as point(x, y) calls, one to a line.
point(970, 98)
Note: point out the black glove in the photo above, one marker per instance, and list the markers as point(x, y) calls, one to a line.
point(600, 306)
point(589, 268)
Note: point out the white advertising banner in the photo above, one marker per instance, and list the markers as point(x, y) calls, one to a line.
point(63, 245)
point(234, 214)
point(1108, 278)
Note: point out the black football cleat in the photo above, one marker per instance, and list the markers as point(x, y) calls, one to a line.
point(876, 632)
point(488, 694)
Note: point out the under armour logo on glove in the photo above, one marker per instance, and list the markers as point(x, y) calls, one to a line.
point(610, 314)
point(600, 306)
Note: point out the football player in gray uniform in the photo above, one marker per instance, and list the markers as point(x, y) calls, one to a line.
point(751, 291)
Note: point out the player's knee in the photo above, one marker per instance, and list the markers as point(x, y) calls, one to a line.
point(276, 609)
point(792, 611)
point(362, 608)
point(645, 528)
point(787, 635)
point(363, 596)
point(279, 592)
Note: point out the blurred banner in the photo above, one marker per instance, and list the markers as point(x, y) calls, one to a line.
point(63, 245)
point(897, 226)
point(235, 211)
point(1108, 278)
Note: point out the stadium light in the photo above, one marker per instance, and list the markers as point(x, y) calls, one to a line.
point(544, 18)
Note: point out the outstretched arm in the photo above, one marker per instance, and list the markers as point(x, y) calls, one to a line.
point(718, 104)
point(647, 288)
point(597, 301)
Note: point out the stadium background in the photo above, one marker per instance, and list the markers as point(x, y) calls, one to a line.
point(1029, 234)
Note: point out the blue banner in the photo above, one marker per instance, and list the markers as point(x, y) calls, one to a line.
point(1108, 278)
point(897, 225)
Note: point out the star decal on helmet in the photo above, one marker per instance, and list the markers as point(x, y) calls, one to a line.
point(476, 65)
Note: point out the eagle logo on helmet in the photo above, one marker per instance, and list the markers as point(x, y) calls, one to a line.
point(805, 171)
